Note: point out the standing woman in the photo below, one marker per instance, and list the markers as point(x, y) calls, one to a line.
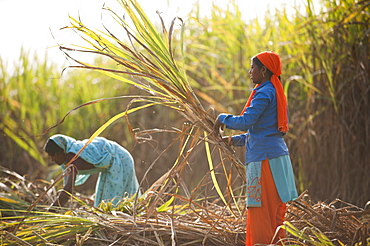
point(115, 165)
point(270, 178)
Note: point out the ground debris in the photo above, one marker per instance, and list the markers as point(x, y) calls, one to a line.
point(338, 221)
point(191, 223)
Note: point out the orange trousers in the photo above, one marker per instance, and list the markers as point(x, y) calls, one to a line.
point(262, 222)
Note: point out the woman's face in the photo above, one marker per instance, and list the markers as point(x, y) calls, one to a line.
point(59, 158)
point(256, 74)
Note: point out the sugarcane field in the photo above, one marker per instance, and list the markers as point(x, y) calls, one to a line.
point(217, 122)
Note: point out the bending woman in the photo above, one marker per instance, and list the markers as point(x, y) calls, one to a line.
point(270, 178)
point(114, 164)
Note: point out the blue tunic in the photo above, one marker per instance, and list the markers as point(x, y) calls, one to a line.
point(114, 164)
point(263, 141)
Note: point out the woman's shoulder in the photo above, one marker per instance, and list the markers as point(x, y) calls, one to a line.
point(266, 90)
point(266, 86)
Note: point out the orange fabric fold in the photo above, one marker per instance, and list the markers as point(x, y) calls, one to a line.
point(272, 61)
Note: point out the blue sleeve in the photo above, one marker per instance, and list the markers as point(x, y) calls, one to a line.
point(239, 140)
point(243, 122)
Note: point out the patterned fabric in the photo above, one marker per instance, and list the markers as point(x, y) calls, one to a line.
point(254, 188)
point(114, 164)
point(282, 172)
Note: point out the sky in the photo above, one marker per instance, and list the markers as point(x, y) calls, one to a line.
point(35, 24)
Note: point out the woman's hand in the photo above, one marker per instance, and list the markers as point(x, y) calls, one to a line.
point(228, 141)
point(64, 195)
point(217, 127)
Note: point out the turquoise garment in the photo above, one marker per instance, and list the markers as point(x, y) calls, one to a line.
point(282, 172)
point(114, 164)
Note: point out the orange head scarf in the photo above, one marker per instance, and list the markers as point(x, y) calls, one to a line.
point(271, 60)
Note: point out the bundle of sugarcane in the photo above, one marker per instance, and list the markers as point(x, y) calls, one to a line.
point(146, 59)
